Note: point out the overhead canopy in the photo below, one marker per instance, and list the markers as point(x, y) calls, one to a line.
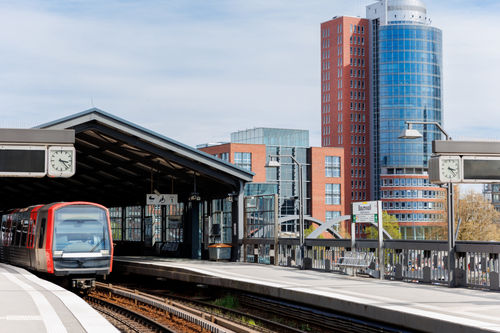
point(118, 163)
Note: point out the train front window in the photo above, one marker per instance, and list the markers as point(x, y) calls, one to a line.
point(81, 228)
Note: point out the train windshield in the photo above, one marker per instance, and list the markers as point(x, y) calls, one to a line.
point(81, 228)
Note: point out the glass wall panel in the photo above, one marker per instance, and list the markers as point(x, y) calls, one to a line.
point(115, 217)
point(410, 67)
point(133, 217)
point(154, 212)
point(174, 228)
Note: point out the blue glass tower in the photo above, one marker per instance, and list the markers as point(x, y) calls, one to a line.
point(409, 89)
point(406, 72)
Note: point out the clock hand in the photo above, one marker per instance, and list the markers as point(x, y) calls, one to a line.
point(64, 162)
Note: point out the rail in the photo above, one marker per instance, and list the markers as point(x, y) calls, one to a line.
point(476, 263)
point(165, 306)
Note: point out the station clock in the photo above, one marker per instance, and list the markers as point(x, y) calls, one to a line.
point(445, 169)
point(61, 161)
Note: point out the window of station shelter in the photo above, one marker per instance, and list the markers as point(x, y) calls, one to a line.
point(115, 217)
point(332, 166)
point(133, 217)
point(243, 160)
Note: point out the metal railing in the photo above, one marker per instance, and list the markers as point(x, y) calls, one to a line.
point(476, 263)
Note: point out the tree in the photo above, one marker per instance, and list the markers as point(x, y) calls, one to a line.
point(479, 219)
point(311, 228)
point(390, 224)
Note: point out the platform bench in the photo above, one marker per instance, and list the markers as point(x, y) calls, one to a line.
point(356, 260)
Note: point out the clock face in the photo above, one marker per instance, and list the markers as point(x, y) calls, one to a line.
point(450, 169)
point(61, 161)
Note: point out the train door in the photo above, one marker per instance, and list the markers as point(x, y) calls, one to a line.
point(30, 243)
point(3, 231)
point(6, 224)
point(40, 236)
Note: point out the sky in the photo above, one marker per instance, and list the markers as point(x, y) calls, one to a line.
point(197, 70)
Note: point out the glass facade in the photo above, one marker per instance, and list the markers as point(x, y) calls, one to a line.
point(286, 177)
point(410, 69)
point(406, 73)
point(491, 193)
point(260, 189)
point(243, 160)
point(272, 136)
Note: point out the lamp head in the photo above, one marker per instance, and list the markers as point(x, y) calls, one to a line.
point(273, 164)
point(410, 133)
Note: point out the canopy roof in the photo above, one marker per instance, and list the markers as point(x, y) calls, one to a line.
point(118, 163)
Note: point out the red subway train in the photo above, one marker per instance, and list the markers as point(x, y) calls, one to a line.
point(69, 239)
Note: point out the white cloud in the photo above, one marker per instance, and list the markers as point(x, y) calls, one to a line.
point(197, 70)
point(471, 68)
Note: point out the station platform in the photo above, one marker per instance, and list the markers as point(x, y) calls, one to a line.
point(427, 308)
point(30, 304)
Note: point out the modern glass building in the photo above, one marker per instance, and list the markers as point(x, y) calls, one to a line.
point(272, 137)
point(403, 57)
point(322, 172)
point(491, 193)
point(406, 71)
point(409, 89)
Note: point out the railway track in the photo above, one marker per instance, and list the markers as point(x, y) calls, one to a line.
point(329, 322)
point(168, 315)
point(287, 317)
point(125, 319)
point(257, 314)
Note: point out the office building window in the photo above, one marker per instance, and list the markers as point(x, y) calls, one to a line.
point(243, 160)
point(332, 166)
point(332, 194)
point(330, 215)
point(224, 157)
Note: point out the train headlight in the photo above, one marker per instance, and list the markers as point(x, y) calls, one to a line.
point(105, 252)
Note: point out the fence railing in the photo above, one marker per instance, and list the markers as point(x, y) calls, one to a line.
point(476, 263)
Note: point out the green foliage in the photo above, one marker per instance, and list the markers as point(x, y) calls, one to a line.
point(305, 327)
point(479, 218)
point(390, 224)
point(308, 231)
point(249, 321)
point(227, 301)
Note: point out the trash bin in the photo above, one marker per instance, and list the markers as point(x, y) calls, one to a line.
point(219, 252)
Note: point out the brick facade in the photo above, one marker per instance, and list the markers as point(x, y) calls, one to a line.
point(317, 178)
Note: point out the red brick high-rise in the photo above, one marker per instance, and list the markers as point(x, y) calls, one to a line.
point(345, 110)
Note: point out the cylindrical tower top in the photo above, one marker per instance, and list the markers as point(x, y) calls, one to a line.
point(406, 11)
point(398, 12)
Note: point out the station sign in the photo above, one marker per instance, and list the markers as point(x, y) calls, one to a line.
point(37, 152)
point(365, 212)
point(464, 162)
point(161, 199)
point(482, 169)
point(23, 161)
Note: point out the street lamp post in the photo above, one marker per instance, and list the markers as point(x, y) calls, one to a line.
point(410, 133)
point(274, 163)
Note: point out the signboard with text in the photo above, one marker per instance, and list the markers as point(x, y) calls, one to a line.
point(161, 199)
point(365, 212)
